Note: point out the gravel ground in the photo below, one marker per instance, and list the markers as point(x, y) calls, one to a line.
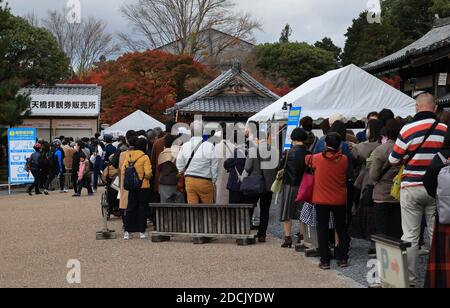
point(40, 234)
point(358, 254)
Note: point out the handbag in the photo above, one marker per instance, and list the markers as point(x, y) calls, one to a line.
point(254, 185)
point(278, 183)
point(181, 184)
point(397, 185)
point(306, 190)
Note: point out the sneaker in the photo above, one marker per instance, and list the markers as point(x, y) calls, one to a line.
point(38, 193)
point(65, 191)
point(76, 195)
point(94, 190)
point(424, 252)
point(324, 266)
point(143, 236)
point(30, 193)
point(127, 236)
point(46, 192)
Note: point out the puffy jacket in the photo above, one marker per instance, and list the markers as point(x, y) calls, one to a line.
point(141, 164)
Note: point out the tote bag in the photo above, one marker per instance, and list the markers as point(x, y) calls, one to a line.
point(306, 190)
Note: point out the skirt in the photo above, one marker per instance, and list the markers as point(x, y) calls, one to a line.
point(288, 206)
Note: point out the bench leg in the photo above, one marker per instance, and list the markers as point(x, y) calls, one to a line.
point(246, 241)
point(202, 240)
point(160, 238)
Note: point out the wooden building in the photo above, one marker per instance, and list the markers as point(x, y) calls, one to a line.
point(234, 96)
point(423, 66)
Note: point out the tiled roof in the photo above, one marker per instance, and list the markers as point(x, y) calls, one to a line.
point(205, 95)
point(436, 38)
point(229, 104)
point(444, 100)
point(64, 89)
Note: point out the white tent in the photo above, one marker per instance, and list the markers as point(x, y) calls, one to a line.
point(136, 121)
point(349, 91)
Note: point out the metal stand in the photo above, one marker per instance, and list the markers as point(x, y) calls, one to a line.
point(105, 234)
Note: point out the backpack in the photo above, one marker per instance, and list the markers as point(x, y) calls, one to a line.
point(443, 193)
point(131, 181)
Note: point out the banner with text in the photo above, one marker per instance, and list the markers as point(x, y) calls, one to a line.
point(20, 147)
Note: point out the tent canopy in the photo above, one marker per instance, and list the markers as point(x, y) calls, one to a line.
point(349, 91)
point(135, 121)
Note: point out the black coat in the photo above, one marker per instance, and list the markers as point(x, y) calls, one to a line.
point(430, 180)
point(231, 165)
point(76, 163)
point(295, 166)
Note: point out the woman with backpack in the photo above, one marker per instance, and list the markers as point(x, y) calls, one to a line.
point(293, 164)
point(34, 165)
point(330, 196)
point(137, 172)
point(436, 183)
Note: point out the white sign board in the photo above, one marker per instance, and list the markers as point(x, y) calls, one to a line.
point(65, 105)
point(20, 147)
point(443, 79)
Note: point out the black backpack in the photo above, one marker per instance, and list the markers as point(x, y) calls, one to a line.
point(131, 181)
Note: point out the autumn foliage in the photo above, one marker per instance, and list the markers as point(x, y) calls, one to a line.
point(150, 81)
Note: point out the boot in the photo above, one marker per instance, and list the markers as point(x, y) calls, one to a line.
point(287, 242)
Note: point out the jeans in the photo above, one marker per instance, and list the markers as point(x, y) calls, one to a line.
point(323, 230)
point(415, 202)
point(388, 220)
point(265, 201)
point(98, 168)
point(52, 176)
point(35, 184)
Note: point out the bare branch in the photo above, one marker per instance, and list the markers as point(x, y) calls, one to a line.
point(182, 23)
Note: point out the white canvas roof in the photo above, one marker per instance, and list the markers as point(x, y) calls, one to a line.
point(135, 121)
point(349, 91)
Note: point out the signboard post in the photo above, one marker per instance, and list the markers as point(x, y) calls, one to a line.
point(393, 262)
point(293, 123)
point(20, 147)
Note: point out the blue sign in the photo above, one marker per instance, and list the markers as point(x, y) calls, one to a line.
point(293, 123)
point(20, 147)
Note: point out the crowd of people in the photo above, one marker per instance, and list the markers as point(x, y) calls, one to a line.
point(351, 196)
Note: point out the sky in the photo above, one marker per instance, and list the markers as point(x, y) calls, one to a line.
point(311, 20)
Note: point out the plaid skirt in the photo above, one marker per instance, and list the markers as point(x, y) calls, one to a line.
point(308, 216)
point(438, 272)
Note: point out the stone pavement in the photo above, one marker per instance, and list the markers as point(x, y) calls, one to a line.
point(40, 234)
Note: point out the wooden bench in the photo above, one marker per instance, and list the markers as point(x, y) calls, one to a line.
point(203, 222)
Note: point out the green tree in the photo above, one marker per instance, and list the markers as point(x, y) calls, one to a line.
point(28, 55)
point(286, 34)
point(327, 44)
point(294, 62)
point(403, 22)
point(368, 42)
point(441, 7)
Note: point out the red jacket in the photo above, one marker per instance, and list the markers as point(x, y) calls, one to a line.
point(330, 178)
